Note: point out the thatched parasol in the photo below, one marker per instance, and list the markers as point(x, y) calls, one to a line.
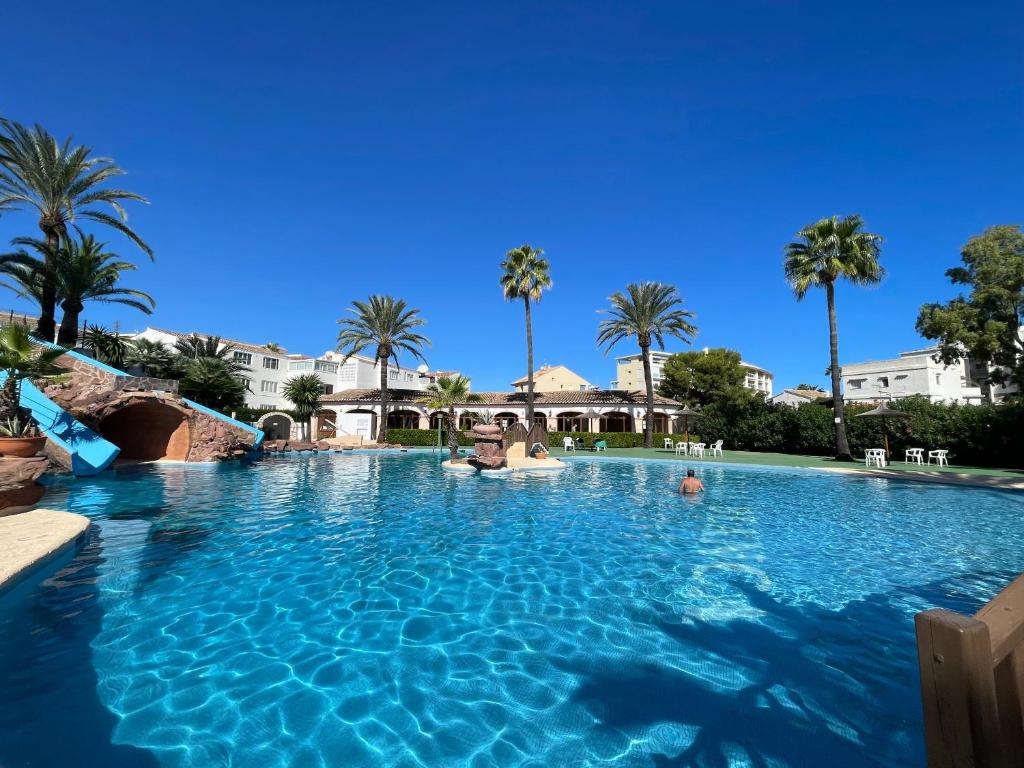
point(884, 412)
point(686, 414)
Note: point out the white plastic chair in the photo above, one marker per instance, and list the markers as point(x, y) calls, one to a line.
point(697, 450)
point(716, 447)
point(940, 457)
point(874, 456)
point(568, 444)
point(681, 448)
point(668, 443)
point(915, 455)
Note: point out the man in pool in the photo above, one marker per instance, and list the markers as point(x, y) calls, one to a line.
point(690, 483)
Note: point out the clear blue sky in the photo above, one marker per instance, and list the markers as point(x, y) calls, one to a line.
point(301, 155)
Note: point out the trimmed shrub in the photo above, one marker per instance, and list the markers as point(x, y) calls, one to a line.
point(614, 439)
point(422, 437)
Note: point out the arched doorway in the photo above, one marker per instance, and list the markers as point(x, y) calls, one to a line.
point(148, 431)
point(276, 426)
point(403, 419)
point(437, 420)
point(541, 419)
point(571, 421)
point(326, 425)
point(662, 423)
point(506, 419)
point(616, 421)
point(359, 421)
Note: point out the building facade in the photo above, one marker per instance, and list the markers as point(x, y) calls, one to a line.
point(356, 411)
point(269, 367)
point(554, 378)
point(919, 372)
point(629, 371)
point(794, 398)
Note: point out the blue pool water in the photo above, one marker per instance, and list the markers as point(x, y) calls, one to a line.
point(369, 610)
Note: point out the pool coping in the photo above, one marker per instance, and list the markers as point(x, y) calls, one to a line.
point(29, 540)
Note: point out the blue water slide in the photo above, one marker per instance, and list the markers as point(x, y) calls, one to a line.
point(89, 452)
point(233, 422)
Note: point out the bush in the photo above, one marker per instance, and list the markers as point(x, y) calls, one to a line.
point(423, 437)
point(614, 439)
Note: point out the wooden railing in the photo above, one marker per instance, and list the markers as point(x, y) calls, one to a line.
point(514, 434)
point(972, 683)
point(538, 434)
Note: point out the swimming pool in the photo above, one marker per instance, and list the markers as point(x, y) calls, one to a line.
point(372, 610)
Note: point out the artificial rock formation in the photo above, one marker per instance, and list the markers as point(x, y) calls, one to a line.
point(145, 425)
point(18, 487)
point(487, 447)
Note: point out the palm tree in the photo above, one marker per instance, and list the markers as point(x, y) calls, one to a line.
point(304, 392)
point(82, 272)
point(107, 346)
point(649, 312)
point(60, 183)
point(196, 347)
point(21, 359)
point(154, 358)
point(389, 325)
point(210, 382)
point(526, 277)
point(830, 249)
point(443, 395)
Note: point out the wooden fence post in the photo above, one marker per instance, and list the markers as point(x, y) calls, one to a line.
point(958, 692)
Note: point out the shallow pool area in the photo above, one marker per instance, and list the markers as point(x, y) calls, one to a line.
point(372, 610)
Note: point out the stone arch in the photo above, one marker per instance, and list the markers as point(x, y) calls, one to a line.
point(148, 430)
point(403, 418)
point(276, 425)
point(662, 423)
point(571, 421)
point(506, 419)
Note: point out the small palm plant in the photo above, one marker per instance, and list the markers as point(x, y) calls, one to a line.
point(154, 358)
point(304, 392)
point(211, 382)
point(196, 347)
point(83, 271)
point(107, 346)
point(60, 183)
point(444, 395)
point(525, 276)
point(830, 249)
point(648, 312)
point(21, 359)
point(388, 324)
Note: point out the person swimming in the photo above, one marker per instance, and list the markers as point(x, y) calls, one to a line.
point(690, 483)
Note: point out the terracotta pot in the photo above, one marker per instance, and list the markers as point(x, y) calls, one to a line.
point(541, 455)
point(487, 429)
point(21, 447)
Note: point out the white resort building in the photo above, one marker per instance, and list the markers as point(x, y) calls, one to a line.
point(919, 372)
point(271, 366)
point(629, 371)
point(355, 411)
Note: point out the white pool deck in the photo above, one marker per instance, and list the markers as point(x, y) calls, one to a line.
point(30, 539)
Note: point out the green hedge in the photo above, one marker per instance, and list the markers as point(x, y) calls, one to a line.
point(422, 437)
point(982, 435)
point(615, 439)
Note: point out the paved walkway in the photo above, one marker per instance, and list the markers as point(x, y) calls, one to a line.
point(31, 538)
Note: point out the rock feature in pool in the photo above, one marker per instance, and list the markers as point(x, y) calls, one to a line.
point(147, 424)
point(491, 456)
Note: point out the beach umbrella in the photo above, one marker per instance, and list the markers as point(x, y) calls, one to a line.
point(884, 412)
point(686, 414)
point(590, 416)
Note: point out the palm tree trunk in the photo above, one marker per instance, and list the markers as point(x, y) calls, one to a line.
point(67, 335)
point(46, 326)
point(529, 365)
point(645, 350)
point(842, 446)
point(453, 435)
point(382, 428)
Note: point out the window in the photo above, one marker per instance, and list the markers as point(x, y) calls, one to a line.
point(243, 357)
point(271, 362)
point(408, 377)
point(246, 381)
point(855, 383)
point(269, 387)
point(328, 389)
point(393, 375)
point(325, 367)
point(300, 365)
point(883, 381)
point(901, 377)
point(938, 378)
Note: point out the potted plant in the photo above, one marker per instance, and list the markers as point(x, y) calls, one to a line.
point(21, 358)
